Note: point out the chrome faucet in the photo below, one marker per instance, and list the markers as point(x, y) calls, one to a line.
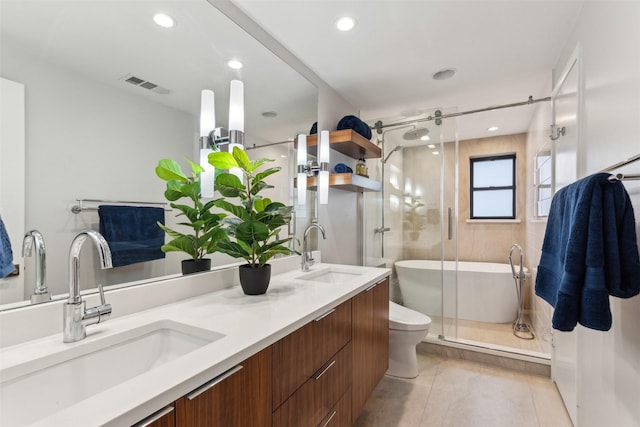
point(32, 239)
point(307, 259)
point(75, 317)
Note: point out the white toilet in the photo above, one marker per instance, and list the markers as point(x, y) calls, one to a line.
point(406, 329)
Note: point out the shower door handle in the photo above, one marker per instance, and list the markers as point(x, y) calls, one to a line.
point(449, 224)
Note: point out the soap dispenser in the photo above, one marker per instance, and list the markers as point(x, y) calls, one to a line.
point(361, 167)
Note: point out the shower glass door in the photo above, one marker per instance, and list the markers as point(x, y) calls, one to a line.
point(410, 219)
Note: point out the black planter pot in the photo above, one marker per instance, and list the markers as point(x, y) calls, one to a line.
point(255, 280)
point(190, 266)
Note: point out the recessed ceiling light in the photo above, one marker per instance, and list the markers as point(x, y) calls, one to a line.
point(431, 146)
point(346, 23)
point(164, 20)
point(235, 64)
point(493, 128)
point(424, 138)
point(444, 74)
point(435, 153)
point(269, 114)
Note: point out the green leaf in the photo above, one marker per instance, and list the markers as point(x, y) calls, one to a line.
point(252, 231)
point(183, 244)
point(168, 169)
point(262, 175)
point(233, 249)
point(259, 186)
point(238, 211)
point(242, 159)
point(222, 160)
point(195, 168)
point(191, 190)
point(229, 185)
point(255, 164)
point(260, 204)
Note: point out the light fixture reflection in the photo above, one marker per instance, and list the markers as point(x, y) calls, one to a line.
point(236, 121)
point(323, 176)
point(207, 125)
point(302, 173)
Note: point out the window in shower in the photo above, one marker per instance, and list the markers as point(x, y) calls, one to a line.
point(493, 187)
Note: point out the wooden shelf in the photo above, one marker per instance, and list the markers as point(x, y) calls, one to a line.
point(345, 181)
point(347, 142)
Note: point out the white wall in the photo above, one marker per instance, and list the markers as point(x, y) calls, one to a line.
point(12, 171)
point(87, 140)
point(608, 35)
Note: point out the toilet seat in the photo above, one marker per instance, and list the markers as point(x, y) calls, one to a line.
point(404, 319)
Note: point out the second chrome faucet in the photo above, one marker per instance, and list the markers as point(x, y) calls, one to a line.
point(307, 259)
point(75, 317)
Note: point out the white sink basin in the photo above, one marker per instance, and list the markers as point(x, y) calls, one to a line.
point(35, 389)
point(330, 275)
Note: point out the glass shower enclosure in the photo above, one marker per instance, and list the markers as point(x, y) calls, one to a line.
point(411, 224)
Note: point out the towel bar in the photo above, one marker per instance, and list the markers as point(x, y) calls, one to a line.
point(76, 209)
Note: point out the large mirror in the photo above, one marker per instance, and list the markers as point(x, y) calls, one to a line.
point(92, 134)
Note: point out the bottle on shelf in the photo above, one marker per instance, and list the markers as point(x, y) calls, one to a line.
point(361, 168)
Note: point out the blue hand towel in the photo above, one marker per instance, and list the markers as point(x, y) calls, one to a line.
point(352, 122)
point(6, 254)
point(589, 252)
point(132, 233)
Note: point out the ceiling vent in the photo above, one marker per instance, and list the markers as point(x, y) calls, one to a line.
point(137, 81)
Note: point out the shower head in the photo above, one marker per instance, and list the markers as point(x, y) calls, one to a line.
point(396, 148)
point(415, 133)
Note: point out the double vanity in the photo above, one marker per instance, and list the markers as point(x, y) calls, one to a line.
point(196, 351)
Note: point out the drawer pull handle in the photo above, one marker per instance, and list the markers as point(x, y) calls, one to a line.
point(155, 417)
point(325, 370)
point(217, 380)
point(317, 319)
point(371, 287)
point(333, 414)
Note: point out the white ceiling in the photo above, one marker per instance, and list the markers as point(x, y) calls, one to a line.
point(107, 41)
point(503, 51)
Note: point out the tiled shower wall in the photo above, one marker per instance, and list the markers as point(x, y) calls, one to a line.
point(482, 241)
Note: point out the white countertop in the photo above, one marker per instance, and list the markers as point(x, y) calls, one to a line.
point(248, 323)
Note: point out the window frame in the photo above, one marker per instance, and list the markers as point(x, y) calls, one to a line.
point(512, 187)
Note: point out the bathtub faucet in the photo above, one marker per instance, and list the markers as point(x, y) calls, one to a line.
point(307, 259)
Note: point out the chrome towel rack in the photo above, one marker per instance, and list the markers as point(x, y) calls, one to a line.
point(622, 176)
point(76, 209)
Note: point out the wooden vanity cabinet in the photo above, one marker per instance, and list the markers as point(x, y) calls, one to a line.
point(240, 397)
point(370, 340)
point(320, 375)
point(312, 370)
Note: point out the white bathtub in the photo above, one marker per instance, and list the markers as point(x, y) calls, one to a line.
point(485, 291)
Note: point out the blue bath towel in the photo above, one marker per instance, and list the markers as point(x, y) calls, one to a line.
point(6, 254)
point(132, 233)
point(352, 122)
point(589, 252)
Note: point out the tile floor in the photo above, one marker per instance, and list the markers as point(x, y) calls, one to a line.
point(459, 393)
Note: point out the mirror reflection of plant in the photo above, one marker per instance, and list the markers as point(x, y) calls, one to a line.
point(257, 219)
point(412, 218)
point(206, 226)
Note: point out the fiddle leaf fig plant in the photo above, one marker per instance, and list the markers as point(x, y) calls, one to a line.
point(206, 226)
point(256, 219)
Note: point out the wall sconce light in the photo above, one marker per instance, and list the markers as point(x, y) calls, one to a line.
point(207, 126)
point(306, 169)
point(236, 121)
point(302, 169)
point(212, 138)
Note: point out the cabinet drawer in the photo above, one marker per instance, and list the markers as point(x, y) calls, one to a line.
point(340, 415)
point(316, 399)
point(298, 355)
point(330, 333)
